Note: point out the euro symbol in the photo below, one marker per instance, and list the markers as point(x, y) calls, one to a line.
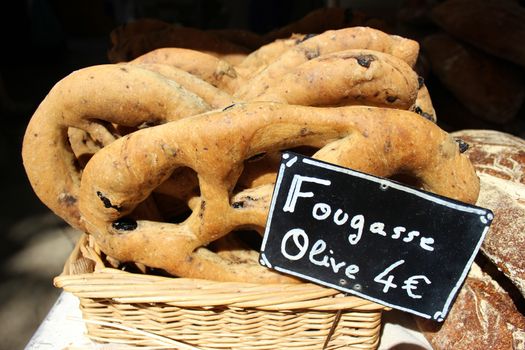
point(411, 284)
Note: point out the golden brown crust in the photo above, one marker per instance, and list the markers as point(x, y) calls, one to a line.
point(482, 317)
point(379, 141)
point(266, 54)
point(330, 42)
point(209, 68)
point(499, 160)
point(423, 105)
point(214, 97)
point(129, 96)
point(176, 196)
point(349, 77)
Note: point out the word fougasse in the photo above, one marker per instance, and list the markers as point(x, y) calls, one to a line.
point(296, 245)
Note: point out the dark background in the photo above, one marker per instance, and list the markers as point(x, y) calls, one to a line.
point(43, 41)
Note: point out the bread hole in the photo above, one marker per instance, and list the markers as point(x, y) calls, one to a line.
point(138, 268)
point(407, 179)
point(262, 168)
point(245, 239)
point(82, 146)
point(258, 170)
point(172, 210)
point(251, 238)
point(306, 151)
point(256, 157)
point(124, 130)
point(239, 247)
point(174, 197)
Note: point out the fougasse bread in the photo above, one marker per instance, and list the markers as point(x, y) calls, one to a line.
point(114, 149)
point(266, 54)
point(213, 96)
point(207, 67)
point(329, 42)
point(349, 77)
point(92, 100)
point(216, 144)
point(423, 105)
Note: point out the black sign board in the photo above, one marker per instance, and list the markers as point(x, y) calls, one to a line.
point(372, 237)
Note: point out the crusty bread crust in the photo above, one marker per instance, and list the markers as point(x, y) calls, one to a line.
point(482, 317)
point(216, 144)
point(499, 160)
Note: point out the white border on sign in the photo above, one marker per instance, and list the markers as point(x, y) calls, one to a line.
point(274, 199)
point(483, 213)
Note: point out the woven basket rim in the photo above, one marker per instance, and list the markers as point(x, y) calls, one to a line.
point(86, 275)
point(145, 310)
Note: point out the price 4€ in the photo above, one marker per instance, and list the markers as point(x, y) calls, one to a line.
point(410, 284)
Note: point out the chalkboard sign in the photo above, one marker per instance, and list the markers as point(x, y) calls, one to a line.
point(376, 238)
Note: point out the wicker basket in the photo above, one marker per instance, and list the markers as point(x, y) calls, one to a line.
point(179, 313)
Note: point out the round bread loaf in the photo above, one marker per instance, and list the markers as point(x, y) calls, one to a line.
point(496, 153)
point(494, 26)
point(482, 317)
point(118, 178)
point(490, 88)
point(499, 160)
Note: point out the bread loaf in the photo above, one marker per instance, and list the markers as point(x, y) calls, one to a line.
point(496, 153)
point(490, 88)
point(499, 159)
point(483, 317)
point(453, 115)
point(494, 26)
